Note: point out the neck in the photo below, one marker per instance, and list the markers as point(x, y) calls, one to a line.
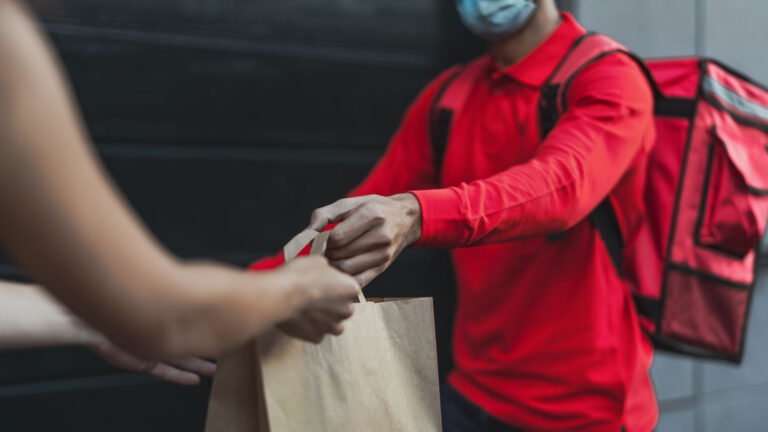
point(514, 48)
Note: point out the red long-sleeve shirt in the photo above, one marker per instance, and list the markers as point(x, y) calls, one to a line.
point(546, 336)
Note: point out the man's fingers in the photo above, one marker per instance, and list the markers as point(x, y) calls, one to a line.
point(196, 365)
point(360, 263)
point(332, 213)
point(373, 239)
point(356, 224)
point(367, 276)
point(177, 376)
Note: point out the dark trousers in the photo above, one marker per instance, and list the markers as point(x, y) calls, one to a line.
point(461, 415)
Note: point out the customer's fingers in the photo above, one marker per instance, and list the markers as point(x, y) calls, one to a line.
point(324, 322)
point(183, 371)
point(195, 365)
point(336, 310)
point(169, 373)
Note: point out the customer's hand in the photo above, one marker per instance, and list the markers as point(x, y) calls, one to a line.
point(372, 233)
point(329, 302)
point(185, 371)
point(318, 320)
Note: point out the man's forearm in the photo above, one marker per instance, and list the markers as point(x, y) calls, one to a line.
point(29, 318)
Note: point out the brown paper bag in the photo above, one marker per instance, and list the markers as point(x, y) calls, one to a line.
point(379, 376)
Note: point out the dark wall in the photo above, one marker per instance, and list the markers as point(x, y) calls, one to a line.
point(225, 123)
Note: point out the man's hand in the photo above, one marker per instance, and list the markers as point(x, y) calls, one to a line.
point(186, 371)
point(372, 232)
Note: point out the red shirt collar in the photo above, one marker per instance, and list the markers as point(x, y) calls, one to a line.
point(538, 65)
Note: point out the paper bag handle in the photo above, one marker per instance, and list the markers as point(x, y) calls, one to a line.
point(319, 244)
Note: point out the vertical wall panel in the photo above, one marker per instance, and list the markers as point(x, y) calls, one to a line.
point(735, 32)
point(682, 421)
point(673, 376)
point(649, 27)
point(742, 415)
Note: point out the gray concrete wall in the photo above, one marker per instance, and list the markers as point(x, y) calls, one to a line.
point(734, 31)
point(695, 395)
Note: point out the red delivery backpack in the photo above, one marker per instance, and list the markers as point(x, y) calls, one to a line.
point(691, 264)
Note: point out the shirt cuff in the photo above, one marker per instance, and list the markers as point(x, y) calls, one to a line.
point(442, 222)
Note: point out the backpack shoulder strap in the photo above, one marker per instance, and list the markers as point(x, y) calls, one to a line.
point(448, 103)
point(586, 50)
point(589, 49)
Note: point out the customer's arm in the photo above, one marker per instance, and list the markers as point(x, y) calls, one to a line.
point(31, 318)
point(63, 221)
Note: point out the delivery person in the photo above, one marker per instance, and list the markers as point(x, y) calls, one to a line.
point(546, 337)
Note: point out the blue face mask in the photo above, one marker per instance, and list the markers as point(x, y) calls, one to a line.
point(495, 19)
